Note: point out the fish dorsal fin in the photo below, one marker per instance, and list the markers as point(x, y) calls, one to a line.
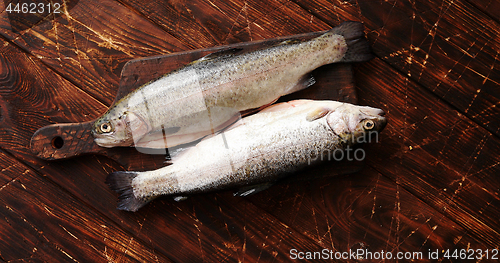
point(219, 54)
point(317, 113)
point(289, 42)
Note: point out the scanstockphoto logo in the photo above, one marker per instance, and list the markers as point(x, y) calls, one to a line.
point(358, 254)
point(349, 153)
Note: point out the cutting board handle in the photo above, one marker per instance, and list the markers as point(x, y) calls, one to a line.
point(59, 141)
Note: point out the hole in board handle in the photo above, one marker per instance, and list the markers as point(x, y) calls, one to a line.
point(57, 142)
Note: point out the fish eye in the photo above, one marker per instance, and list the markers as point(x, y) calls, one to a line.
point(106, 127)
point(368, 125)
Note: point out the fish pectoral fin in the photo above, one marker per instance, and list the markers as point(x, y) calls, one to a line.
point(153, 140)
point(157, 139)
point(169, 130)
point(317, 113)
point(304, 82)
point(253, 189)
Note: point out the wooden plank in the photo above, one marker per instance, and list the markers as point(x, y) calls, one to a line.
point(88, 43)
point(34, 96)
point(7, 165)
point(177, 19)
point(449, 47)
point(434, 152)
point(365, 210)
point(221, 228)
point(226, 22)
point(40, 221)
point(489, 7)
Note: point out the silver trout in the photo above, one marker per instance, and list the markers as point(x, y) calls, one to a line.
point(254, 152)
point(209, 94)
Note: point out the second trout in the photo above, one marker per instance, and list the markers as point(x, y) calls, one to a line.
point(255, 152)
point(208, 94)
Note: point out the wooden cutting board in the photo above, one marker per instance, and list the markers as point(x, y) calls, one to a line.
point(65, 140)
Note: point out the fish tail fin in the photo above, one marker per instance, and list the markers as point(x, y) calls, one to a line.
point(358, 48)
point(121, 182)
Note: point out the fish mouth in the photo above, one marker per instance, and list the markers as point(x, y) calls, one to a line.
point(374, 112)
point(108, 141)
point(103, 142)
point(380, 120)
point(380, 123)
point(111, 140)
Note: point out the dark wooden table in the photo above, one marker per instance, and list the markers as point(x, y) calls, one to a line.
point(430, 184)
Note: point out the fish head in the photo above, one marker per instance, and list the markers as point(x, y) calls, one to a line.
point(355, 124)
point(118, 128)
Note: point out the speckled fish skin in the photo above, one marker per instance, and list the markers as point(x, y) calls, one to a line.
point(257, 149)
point(209, 94)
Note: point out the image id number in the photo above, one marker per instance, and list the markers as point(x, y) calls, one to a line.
point(471, 254)
point(33, 8)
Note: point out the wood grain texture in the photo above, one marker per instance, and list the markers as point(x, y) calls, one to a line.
point(41, 222)
point(438, 154)
point(89, 43)
point(365, 210)
point(430, 183)
point(449, 47)
point(489, 7)
point(33, 96)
